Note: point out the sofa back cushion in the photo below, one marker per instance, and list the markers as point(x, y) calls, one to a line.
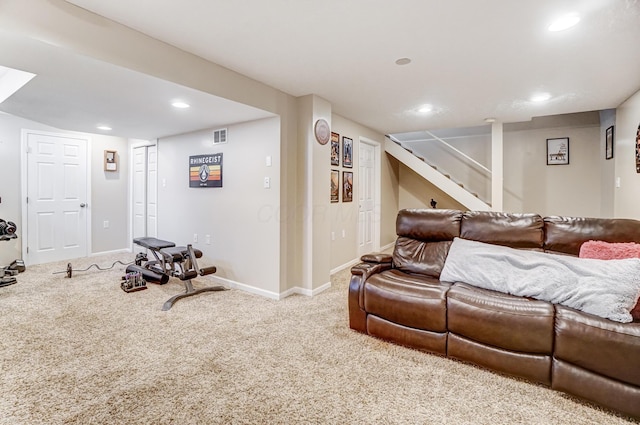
point(507, 229)
point(567, 234)
point(426, 225)
point(424, 237)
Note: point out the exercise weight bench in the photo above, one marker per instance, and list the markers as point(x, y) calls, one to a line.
point(171, 261)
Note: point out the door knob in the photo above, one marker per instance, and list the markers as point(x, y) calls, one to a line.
point(82, 205)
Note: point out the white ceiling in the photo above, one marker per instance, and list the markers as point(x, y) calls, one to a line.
point(470, 59)
point(74, 92)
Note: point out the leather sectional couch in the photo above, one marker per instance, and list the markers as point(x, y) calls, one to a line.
point(400, 298)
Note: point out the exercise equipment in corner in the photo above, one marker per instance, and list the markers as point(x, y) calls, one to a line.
point(7, 274)
point(171, 261)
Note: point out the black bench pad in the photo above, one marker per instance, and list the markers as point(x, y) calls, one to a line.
point(153, 243)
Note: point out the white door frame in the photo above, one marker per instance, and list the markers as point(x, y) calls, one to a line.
point(24, 187)
point(376, 193)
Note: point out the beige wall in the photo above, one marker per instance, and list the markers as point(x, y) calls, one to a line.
point(530, 185)
point(607, 166)
point(109, 195)
point(242, 218)
point(627, 196)
point(10, 180)
point(390, 202)
point(344, 215)
point(109, 191)
point(416, 192)
point(65, 25)
point(579, 188)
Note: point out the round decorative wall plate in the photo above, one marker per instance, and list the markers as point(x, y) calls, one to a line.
point(322, 131)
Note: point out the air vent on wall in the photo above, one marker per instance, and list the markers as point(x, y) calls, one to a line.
point(220, 136)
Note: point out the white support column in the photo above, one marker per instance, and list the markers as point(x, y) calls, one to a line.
point(497, 167)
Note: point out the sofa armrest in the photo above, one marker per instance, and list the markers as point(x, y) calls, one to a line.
point(359, 275)
point(377, 257)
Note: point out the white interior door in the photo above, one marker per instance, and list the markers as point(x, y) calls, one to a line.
point(57, 197)
point(145, 192)
point(152, 191)
point(139, 183)
point(366, 198)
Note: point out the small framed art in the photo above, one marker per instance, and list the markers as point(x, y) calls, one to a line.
point(347, 152)
point(335, 186)
point(335, 148)
point(558, 151)
point(347, 186)
point(110, 160)
point(608, 146)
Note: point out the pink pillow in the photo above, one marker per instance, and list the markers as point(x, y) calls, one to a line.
point(609, 251)
point(612, 251)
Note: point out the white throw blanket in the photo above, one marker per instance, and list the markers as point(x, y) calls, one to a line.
point(606, 288)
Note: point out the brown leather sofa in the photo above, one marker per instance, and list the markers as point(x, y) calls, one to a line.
point(400, 298)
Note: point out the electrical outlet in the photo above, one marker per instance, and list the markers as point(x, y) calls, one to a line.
point(267, 182)
point(207, 239)
point(105, 224)
point(195, 237)
point(344, 233)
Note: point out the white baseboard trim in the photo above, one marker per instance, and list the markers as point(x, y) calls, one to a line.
point(307, 292)
point(246, 288)
point(115, 251)
point(269, 294)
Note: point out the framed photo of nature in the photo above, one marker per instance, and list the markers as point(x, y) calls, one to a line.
point(558, 151)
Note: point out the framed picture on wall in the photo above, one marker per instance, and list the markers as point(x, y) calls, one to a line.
point(608, 146)
point(558, 151)
point(110, 161)
point(347, 152)
point(335, 186)
point(335, 148)
point(347, 186)
point(638, 150)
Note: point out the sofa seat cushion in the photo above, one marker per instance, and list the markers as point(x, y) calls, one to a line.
point(415, 301)
point(505, 321)
point(608, 348)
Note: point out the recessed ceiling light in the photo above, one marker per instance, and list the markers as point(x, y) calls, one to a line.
point(564, 22)
point(540, 97)
point(425, 109)
point(403, 61)
point(179, 104)
point(104, 127)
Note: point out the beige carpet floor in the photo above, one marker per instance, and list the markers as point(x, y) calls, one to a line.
point(82, 351)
